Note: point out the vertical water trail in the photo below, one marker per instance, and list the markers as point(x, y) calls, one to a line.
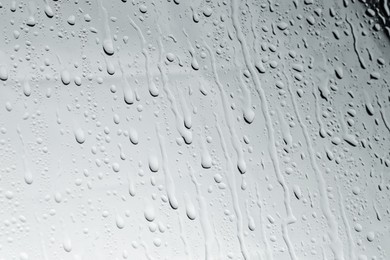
point(108, 45)
point(355, 44)
point(146, 251)
point(205, 157)
point(205, 224)
point(220, 255)
point(169, 183)
point(153, 90)
point(191, 50)
point(248, 113)
point(28, 175)
point(109, 66)
point(336, 243)
point(268, 250)
point(183, 237)
point(231, 178)
point(128, 92)
point(247, 110)
point(383, 115)
point(287, 137)
point(351, 243)
point(270, 130)
point(241, 165)
point(184, 106)
point(318, 117)
point(48, 10)
point(184, 132)
point(44, 253)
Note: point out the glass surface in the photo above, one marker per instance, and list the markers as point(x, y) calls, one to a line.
point(213, 129)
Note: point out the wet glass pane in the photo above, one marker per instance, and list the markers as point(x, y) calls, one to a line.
point(204, 129)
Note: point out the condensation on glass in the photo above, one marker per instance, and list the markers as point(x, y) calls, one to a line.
point(174, 129)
